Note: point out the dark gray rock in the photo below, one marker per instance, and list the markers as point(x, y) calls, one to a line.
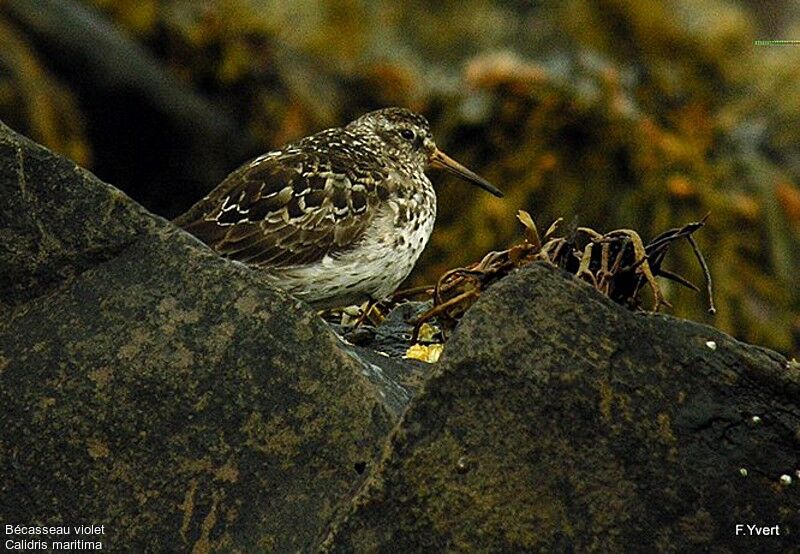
point(382, 349)
point(149, 386)
point(560, 421)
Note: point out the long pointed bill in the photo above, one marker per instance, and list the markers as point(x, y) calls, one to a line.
point(441, 160)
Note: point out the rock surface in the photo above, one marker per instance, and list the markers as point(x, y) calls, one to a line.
point(152, 387)
point(560, 421)
point(149, 386)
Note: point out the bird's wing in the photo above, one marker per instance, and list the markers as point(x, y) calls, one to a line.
point(288, 208)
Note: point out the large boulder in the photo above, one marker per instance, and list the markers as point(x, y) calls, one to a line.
point(149, 386)
point(562, 422)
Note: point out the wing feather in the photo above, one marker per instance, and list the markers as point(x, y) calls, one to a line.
point(289, 208)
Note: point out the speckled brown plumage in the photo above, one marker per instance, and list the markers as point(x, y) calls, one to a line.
point(337, 217)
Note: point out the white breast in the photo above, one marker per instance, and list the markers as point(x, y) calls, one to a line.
point(373, 268)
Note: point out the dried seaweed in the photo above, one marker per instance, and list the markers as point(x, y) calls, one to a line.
point(618, 264)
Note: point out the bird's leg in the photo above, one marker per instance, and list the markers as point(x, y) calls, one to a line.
point(367, 309)
point(376, 316)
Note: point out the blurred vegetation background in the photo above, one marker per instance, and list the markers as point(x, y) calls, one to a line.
point(642, 114)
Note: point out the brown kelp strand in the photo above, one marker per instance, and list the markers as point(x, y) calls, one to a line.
point(617, 264)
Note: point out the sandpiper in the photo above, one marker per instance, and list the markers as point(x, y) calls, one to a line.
point(336, 218)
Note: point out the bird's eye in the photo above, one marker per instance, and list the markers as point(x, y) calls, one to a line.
point(407, 134)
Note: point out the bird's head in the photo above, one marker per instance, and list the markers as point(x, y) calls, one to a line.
point(406, 136)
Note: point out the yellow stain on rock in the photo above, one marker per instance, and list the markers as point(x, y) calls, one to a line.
point(228, 473)
point(100, 376)
point(665, 429)
point(203, 544)
point(187, 507)
point(247, 303)
point(606, 400)
point(46, 402)
point(97, 449)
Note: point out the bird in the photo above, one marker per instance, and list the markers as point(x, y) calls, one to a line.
point(337, 218)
